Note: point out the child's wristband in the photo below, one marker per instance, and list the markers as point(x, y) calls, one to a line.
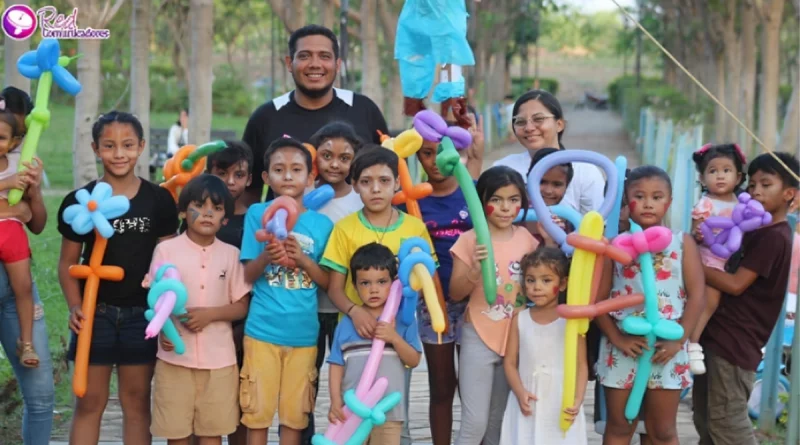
point(351, 309)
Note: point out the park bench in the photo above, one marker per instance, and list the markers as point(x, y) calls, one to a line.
point(158, 145)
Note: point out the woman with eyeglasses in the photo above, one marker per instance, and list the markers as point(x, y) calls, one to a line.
point(538, 122)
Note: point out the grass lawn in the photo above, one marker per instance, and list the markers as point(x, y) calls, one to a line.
point(55, 146)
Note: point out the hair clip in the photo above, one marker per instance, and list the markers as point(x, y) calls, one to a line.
point(2, 105)
point(736, 147)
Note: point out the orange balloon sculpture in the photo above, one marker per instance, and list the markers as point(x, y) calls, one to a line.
point(406, 144)
point(188, 163)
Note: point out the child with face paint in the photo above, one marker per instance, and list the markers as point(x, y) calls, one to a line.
point(337, 144)
point(217, 293)
point(680, 285)
point(552, 187)
point(482, 383)
point(534, 361)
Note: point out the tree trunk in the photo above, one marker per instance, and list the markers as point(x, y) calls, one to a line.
point(328, 14)
point(733, 64)
point(84, 166)
point(790, 136)
point(770, 72)
point(720, 118)
point(747, 88)
point(201, 15)
point(140, 76)
point(13, 49)
point(87, 103)
point(291, 12)
point(371, 71)
point(388, 18)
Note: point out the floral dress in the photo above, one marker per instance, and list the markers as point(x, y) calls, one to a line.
point(614, 368)
point(704, 209)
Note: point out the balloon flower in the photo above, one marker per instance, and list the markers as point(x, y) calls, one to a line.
point(611, 203)
point(723, 236)
point(48, 65)
point(317, 198)
point(167, 296)
point(93, 212)
point(432, 127)
point(406, 145)
point(188, 163)
point(585, 272)
point(642, 244)
point(364, 407)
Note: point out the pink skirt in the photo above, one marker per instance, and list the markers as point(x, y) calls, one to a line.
point(711, 260)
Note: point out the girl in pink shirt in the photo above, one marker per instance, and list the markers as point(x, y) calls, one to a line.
point(482, 383)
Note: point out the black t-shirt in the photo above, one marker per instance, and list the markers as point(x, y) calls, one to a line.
point(230, 233)
point(742, 324)
point(282, 116)
point(152, 215)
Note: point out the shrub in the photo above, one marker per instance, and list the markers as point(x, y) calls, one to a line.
point(519, 85)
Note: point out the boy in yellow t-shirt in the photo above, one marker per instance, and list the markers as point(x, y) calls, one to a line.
point(374, 175)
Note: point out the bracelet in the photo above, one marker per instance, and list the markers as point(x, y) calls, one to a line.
point(351, 308)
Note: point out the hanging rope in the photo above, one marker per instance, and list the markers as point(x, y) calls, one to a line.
point(705, 90)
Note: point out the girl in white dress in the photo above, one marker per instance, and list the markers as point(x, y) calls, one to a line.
point(534, 361)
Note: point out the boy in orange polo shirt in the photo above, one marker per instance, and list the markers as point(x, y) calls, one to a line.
point(196, 393)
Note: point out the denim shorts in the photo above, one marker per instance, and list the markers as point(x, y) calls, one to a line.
point(118, 337)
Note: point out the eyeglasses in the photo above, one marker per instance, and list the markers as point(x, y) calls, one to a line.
point(537, 120)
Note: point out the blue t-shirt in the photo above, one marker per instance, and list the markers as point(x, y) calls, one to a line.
point(446, 218)
point(352, 351)
point(283, 310)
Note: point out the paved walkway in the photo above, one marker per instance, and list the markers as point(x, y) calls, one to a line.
point(596, 130)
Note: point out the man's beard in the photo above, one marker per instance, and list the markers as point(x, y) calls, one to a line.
point(313, 94)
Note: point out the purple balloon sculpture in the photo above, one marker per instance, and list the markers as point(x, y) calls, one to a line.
point(748, 215)
point(433, 128)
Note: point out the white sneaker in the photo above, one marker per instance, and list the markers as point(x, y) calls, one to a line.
point(696, 364)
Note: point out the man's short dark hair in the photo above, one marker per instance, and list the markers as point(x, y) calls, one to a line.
point(373, 256)
point(284, 142)
point(312, 30)
point(234, 153)
point(373, 154)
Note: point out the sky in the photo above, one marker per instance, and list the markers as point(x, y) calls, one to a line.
point(591, 6)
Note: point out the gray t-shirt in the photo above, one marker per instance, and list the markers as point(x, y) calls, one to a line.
point(352, 352)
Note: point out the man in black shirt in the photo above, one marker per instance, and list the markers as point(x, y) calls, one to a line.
point(314, 63)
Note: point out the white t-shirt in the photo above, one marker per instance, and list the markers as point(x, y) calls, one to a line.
point(336, 209)
point(585, 191)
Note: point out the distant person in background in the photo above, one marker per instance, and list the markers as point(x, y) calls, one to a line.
point(314, 62)
point(178, 133)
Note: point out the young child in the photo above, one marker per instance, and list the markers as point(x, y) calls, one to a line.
point(196, 393)
point(337, 144)
point(446, 216)
point(679, 282)
point(119, 323)
point(553, 186)
point(721, 170)
point(482, 383)
point(534, 361)
point(374, 176)
point(373, 268)
point(282, 326)
point(15, 252)
point(753, 292)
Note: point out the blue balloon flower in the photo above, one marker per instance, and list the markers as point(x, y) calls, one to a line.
point(94, 210)
point(47, 57)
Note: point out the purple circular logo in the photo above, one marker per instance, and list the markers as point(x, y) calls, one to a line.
point(19, 22)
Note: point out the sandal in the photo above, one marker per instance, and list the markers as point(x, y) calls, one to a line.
point(696, 356)
point(27, 355)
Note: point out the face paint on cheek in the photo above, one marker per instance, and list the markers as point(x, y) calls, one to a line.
point(556, 290)
point(516, 210)
point(193, 215)
point(632, 206)
point(488, 210)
